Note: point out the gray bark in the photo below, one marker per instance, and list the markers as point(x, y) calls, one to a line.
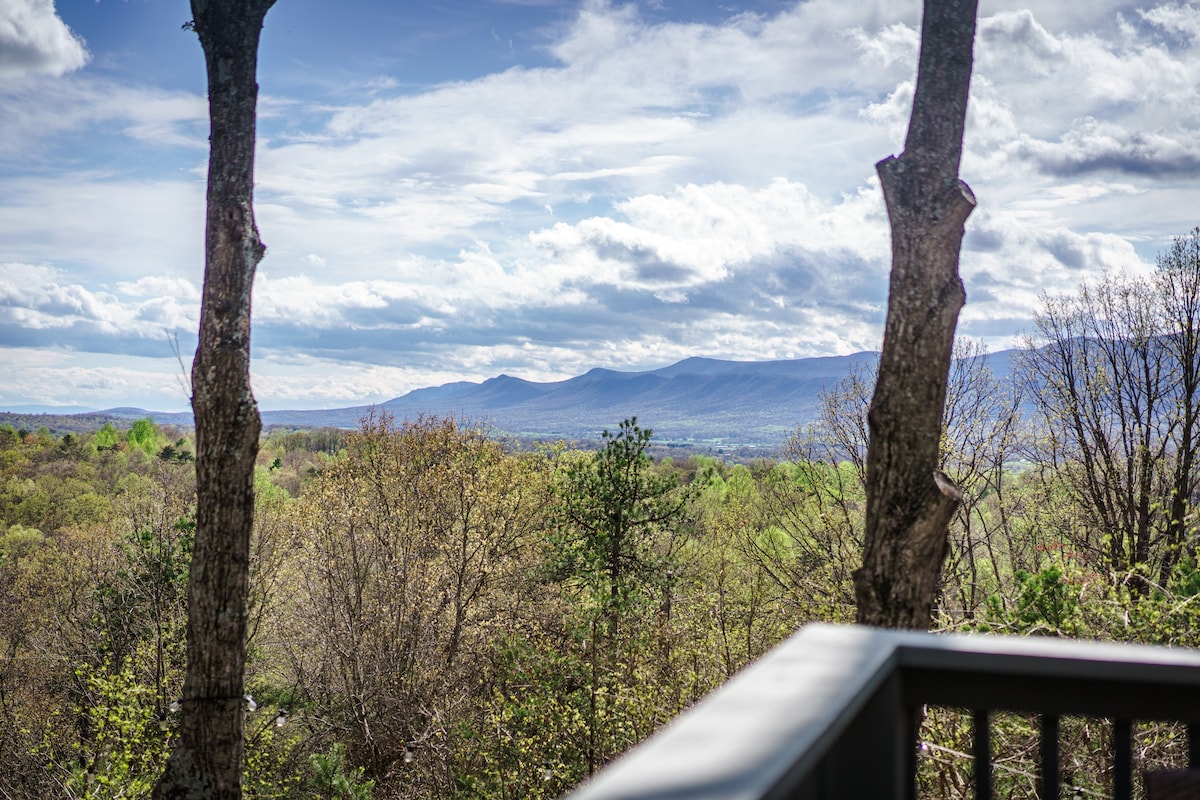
point(909, 504)
point(206, 761)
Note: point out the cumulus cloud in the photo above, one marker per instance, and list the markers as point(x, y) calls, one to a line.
point(1090, 146)
point(710, 234)
point(1013, 256)
point(643, 192)
point(668, 275)
point(161, 286)
point(35, 40)
point(1099, 100)
point(1017, 35)
point(39, 305)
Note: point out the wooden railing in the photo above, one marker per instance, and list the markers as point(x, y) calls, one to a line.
point(833, 713)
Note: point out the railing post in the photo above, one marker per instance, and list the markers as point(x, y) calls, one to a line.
point(1193, 729)
point(883, 731)
point(1122, 759)
point(982, 745)
point(1049, 752)
point(916, 717)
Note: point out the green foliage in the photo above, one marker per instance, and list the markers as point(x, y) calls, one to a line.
point(1046, 604)
point(621, 523)
point(273, 768)
point(143, 434)
point(530, 742)
point(143, 599)
point(610, 508)
point(180, 452)
point(125, 749)
point(331, 778)
point(19, 541)
point(31, 572)
point(106, 438)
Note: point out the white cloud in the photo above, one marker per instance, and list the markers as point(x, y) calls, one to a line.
point(1182, 20)
point(703, 267)
point(39, 109)
point(161, 286)
point(53, 376)
point(290, 386)
point(645, 193)
point(1070, 102)
point(40, 302)
point(633, 108)
point(1090, 146)
point(32, 296)
point(704, 234)
point(301, 298)
point(34, 40)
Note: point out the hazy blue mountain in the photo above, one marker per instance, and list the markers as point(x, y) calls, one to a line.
point(704, 401)
point(161, 417)
point(43, 409)
point(701, 400)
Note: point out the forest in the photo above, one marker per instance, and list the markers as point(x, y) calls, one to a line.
point(438, 613)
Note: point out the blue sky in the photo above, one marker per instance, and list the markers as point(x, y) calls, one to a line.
point(454, 190)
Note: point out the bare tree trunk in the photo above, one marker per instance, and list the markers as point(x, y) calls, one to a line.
point(910, 503)
point(206, 761)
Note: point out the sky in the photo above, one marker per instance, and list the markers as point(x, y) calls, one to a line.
point(461, 189)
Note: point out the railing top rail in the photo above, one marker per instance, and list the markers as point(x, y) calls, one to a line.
point(1051, 675)
point(1030, 654)
point(781, 714)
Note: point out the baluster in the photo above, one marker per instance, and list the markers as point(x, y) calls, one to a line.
point(916, 716)
point(1049, 748)
point(1122, 759)
point(982, 743)
point(1193, 730)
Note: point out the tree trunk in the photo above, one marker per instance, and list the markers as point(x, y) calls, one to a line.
point(206, 761)
point(910, 503)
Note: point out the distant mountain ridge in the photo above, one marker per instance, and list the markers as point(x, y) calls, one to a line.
point(701, 401)
point(697, 400)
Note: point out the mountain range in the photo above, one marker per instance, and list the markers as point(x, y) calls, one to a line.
point(698, 401)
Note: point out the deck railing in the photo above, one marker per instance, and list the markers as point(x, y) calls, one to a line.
point(833, 713)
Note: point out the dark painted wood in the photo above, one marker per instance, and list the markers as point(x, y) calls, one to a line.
point(982, 749)
point(1122, 759)
point(1048, 760)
